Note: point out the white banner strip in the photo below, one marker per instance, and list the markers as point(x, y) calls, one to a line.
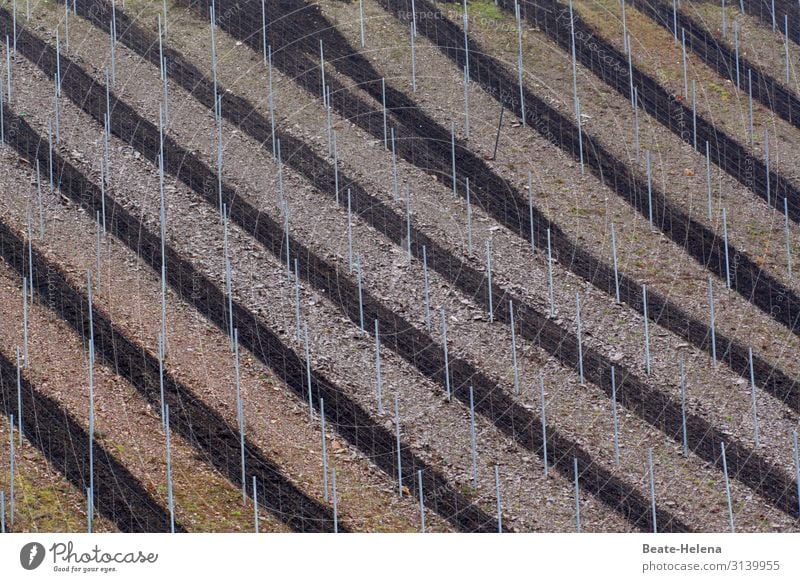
point(401, 557)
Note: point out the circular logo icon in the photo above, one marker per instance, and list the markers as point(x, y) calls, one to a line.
point(31, 555)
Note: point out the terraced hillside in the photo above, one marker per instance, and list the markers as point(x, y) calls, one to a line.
point(398, 266)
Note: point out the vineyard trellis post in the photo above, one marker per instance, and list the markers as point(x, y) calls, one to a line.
point(652, 489)
point(727, 486)
point(614, 414)
point(446, 355)
point(544, 423)
point(378, 378)
point(712, 320)
point(324, 448)
point(499, 500)
point(683, 408)
point(473, 438)
point(397, 438)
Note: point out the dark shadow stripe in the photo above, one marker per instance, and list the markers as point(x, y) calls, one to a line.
point(216, 441)
point(417, 348)
point(719, 55)
point(198, 423)
point(63, 441)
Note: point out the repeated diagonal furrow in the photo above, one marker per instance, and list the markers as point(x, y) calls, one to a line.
point(65, 443)
point(348, 418)
point(575, 257)
point(426, 144)
point(611, 66)
point(384, 219)
point(417, 348)
point(721, 57)
point(195, 174)
point(198, 424)
point(763, 9)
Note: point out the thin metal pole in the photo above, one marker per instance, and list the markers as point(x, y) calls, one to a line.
point(298, 318)
point(335, 502)
point(499, 125)
point(753, 396)
point(473, 438)
point(414, 60)
point(397, 439)
point(469, 219)
point(646, 332)
point(694, 114)
point(25, 321)
point(308, 375)
point(614, 414)
point(675, 20)
point(766, 163)
point(786, 44)
point(708, 180)
point(736, 49)
point(349, 233)
point(240, 413)
point(385, 131)
point(614, 255)
point(408, 221)
point(649, 188)
point(683, 409)
point(359, 277)
point(544, 423)
point(625, 47)
point(378, 380)
point(466, 104)
point(711, 312)
point(724, 22)
point(421, 502)
point(750, 101)
point(169, 477)
point(577, 497)
point(263, 39)
point(788, 236)
point(685, 75)
point(427, 288)
point(727, 486)
point(530, 209)
point(12, 466)
point(335, 168)
point(727, 258)
point(580, 338)
point(550, 276)
point(652, 489)
point(446, 355)
point(161, 379)
point(453, 155)
point(466, 39)
point(636, 121)
point(272, 103)
point(519, 62)
point(89, 512)
point(514, 347)
point(796, 468)
point(361, 14)
point(2, 512)
point(19, 398)
point(499, 501)
point(489, 278)
point(394, 168)
point(324, 448)
point(91, 392)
